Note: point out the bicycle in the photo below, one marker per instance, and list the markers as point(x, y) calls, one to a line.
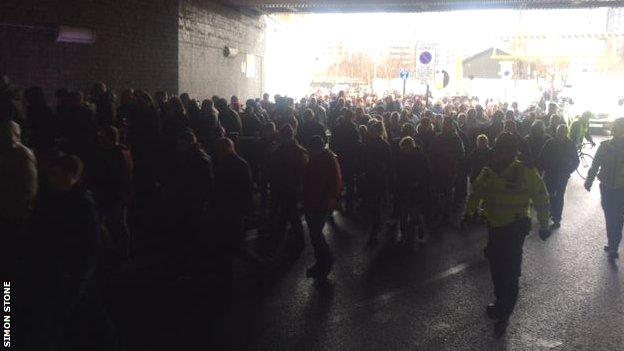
point(585, 161)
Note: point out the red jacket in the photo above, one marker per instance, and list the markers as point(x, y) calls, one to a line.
point(322, 182)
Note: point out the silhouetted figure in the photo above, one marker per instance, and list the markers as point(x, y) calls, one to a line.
point(425, 135)
point(321, 189)
point(40, 119)
point(319, 111)
point(67, 239)
point(535, 141)
point(412, 182)
point(228, 118)
point(251, 124)
point(188, 184)
point(496, 125)
point(609, 167)
point(481, 157)
point(175, 120)
point(311, 127)
point(105, 112)
point(558, 159)
point(144, 140)
point(206, 124)
point(287, 169)
point(79, 127)
point(346, 143)
point(232, 196)
point(18, 187)
point(446, 155)
point(267, 144)
point(110, 179)
point(376, 173)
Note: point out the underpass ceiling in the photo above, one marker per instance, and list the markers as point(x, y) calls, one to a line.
point(290, 6)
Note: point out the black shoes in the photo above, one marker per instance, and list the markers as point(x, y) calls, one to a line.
point(555, 225)
point(500, 327)
point(318, 271)
point(493, 311)
point(613, 254)
point(502, 319)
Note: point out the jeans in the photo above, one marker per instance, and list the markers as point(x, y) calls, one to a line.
point(556, 185)
point(316, 222)
point(613, 207)
point(504, 252)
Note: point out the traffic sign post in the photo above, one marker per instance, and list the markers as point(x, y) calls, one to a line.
point(404, 75)
point(426, 57)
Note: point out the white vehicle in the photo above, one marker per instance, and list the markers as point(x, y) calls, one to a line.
point(604, 108)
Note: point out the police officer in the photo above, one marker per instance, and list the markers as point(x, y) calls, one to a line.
point(609, 166)
point(507, 188)
point(579, 130)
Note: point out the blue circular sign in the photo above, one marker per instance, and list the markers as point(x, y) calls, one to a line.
point(425, 57)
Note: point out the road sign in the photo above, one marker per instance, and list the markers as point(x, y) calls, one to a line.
point(404, 74)
point(425, 62)
point(506, 69)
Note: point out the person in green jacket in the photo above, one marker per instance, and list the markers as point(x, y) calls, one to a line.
point(506, 190)
point(608, 165)
point(579, 130)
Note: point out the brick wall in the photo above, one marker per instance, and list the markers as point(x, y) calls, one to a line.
point(205, 28)
point(172, 45)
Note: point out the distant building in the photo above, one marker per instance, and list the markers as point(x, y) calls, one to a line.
point(482, 65)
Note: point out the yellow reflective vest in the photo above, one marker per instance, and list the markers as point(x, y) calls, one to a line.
point(507, 197)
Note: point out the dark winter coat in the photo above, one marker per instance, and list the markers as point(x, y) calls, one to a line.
point(559, 158)
point(322, 182)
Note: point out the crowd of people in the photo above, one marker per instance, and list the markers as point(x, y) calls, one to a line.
point(71, 174)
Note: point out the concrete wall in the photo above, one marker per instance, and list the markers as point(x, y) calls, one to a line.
point(136, 44)
point(205, 28)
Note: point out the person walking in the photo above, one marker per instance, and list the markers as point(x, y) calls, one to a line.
point(507, 189)
point(412, 183)
point(376, 175)
point(558, 159)
point(288, 164)
point(322, 183)
point(608, 165)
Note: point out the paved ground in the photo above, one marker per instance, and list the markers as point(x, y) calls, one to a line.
point(571, 296)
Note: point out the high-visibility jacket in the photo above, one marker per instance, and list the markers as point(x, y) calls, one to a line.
point(579, 131)
point(507, 197)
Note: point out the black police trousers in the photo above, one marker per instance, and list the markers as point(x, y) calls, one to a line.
point(504, 252)
point(612, 201)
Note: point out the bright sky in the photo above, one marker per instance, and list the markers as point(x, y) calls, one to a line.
point(293, 41)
